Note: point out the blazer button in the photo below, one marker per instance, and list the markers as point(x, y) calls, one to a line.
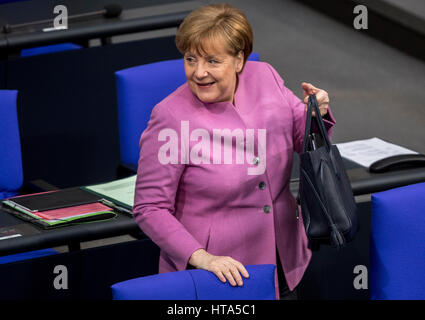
point(256, 161)
point(266, 209)
point(262, 185)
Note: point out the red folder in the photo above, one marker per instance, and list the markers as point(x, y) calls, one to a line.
point(67, 212)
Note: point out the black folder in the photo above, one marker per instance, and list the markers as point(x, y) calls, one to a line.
point(56, 199)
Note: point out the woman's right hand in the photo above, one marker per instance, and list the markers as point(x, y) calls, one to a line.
point(222, 266)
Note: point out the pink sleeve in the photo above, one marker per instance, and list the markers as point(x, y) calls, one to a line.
point(299, 114)
point(156, 188)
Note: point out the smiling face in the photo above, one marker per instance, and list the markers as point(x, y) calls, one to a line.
point(212, 73)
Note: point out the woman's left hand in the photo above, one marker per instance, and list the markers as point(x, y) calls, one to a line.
point(321, 96)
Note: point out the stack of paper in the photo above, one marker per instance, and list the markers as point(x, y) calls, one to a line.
point(62, 207)
point(366, 152)
point(120, 192)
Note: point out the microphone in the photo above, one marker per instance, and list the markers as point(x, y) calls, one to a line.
point(112, 10)
point(109, 11)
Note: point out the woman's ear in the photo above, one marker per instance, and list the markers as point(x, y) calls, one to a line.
point(239, 61)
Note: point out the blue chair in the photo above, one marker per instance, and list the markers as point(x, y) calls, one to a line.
point(397, 250)
point(27, 255)
point(198, 285)
point(255, 56)
point(139, 89)
point(49, 49)
point(11, 173)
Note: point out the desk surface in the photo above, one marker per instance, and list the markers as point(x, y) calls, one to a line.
point(89, 30)
point(131, 20)
point(365, 182)
point(362, 181)
point(36, 238)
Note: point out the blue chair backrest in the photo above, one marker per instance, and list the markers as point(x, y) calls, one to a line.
point(49, 49)
point(397, 248)
point(11, 174)
point(198, 285)
point(27, 255)
point(139, 89)
point(255, 56)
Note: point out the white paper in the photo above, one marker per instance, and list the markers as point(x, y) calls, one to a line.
point(366, 152)
point(121, 190)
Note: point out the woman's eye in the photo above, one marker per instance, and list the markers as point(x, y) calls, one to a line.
point(212, 61)
point(190, 59)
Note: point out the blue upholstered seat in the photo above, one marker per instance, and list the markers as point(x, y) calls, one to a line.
point(139, 89)
point(27, 255)
point(11, 175)
point(397, 250)
point(11, 172)
point(49, 49)
point(198, 285)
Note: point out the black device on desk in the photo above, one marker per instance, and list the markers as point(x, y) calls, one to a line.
point(397, 162)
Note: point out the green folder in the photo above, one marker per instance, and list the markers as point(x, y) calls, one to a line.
point(48, 224)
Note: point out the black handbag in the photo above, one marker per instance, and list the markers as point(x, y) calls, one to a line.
point(327, 202)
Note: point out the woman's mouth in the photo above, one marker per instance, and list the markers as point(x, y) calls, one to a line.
point(205, 85)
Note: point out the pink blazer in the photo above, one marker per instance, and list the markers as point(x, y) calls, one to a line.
point(227, 195)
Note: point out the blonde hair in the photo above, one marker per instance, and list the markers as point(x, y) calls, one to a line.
point(215, 22)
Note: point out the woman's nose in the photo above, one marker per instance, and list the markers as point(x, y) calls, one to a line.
point(201, 71)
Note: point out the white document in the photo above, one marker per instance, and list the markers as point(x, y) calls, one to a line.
point(121, 190)
point(366, 152)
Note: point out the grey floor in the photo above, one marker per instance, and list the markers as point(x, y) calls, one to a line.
point(414, 6)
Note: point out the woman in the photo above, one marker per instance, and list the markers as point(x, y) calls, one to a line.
point(213, 183)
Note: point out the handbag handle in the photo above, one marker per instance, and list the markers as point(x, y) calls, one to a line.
point(313, 106)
